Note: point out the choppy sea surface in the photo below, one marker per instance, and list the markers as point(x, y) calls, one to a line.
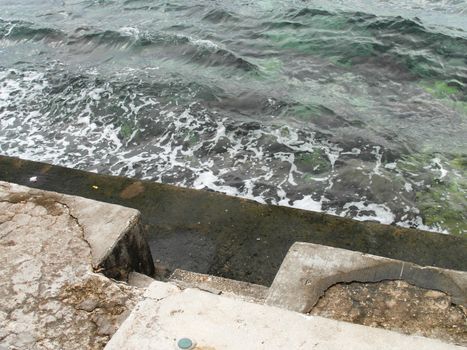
point(355, 108)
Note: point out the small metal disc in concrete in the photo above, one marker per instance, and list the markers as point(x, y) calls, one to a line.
point(185, 344)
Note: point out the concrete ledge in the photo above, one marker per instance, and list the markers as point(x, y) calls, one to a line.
point(309, 269)
point(113, 232)
point(51, 297)
point(218, 285)
point(218, 322)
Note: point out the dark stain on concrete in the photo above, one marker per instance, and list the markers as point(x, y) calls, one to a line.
point(133, 190)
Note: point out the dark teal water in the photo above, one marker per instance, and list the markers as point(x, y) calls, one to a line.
point(346, 107)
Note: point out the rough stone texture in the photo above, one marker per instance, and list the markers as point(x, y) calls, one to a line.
point(216, 322)
point(309, 270)
point(113, 232)
point(219, 285)
point(50, 298)
point(396, 305)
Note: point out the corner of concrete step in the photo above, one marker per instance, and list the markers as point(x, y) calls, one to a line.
point(308, 270)
point(115, 235)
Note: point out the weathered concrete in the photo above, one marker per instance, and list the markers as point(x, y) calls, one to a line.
point(217, 322)
point(397, 306)
point(218, 285)
point(50, 245)
point(309, 270)
point(115, 235)
point(230, 237)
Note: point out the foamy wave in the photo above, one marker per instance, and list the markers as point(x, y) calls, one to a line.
point(100, 128)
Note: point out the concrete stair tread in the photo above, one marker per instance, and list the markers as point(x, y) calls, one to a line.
point(220, 285)
point(212, 321)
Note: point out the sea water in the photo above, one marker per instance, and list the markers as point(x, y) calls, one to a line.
point(353, 108)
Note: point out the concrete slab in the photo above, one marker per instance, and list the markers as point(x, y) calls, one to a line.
point(218, 285)
point(309, 270)
point(50, 245)
point(218, 322)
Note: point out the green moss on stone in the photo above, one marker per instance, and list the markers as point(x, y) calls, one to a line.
point(312, 163)
point(126, 130)
point(440, 89)
point(442, 201)
point(459, 162)
point(460, 106)
point(444, 205)
point(447, 93)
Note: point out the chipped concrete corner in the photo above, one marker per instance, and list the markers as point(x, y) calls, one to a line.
point(309, 270)
point(50, 247)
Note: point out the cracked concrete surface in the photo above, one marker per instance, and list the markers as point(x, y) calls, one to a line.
point(214, 322)
point(50, 245)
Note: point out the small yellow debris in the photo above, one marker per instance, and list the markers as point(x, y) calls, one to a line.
point(95, 187)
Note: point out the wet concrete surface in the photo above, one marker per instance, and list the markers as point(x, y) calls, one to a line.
point(212, 233)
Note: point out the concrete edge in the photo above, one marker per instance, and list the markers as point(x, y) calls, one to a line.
point(113, 232)
point(219, 285)
point(212, 321)
point(308, 270)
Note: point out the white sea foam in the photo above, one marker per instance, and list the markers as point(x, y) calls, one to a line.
point(378, 212)
point(129, 31)
point(436, 162)
point(208, 44)
point(308, 203)
point(186, 153)
point(408, 187)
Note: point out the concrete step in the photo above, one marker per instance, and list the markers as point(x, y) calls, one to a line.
point(372, 290)
point(309, 269)
point(52, 247)
point(168, 314)
point(218, 285)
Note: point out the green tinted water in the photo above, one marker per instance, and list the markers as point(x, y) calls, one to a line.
point(351, 108)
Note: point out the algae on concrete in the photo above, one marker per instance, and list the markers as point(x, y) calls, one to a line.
point(232, 237)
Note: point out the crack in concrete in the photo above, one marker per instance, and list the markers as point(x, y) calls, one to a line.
point(56, 236)
point(30, 199)
point(82, 229)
